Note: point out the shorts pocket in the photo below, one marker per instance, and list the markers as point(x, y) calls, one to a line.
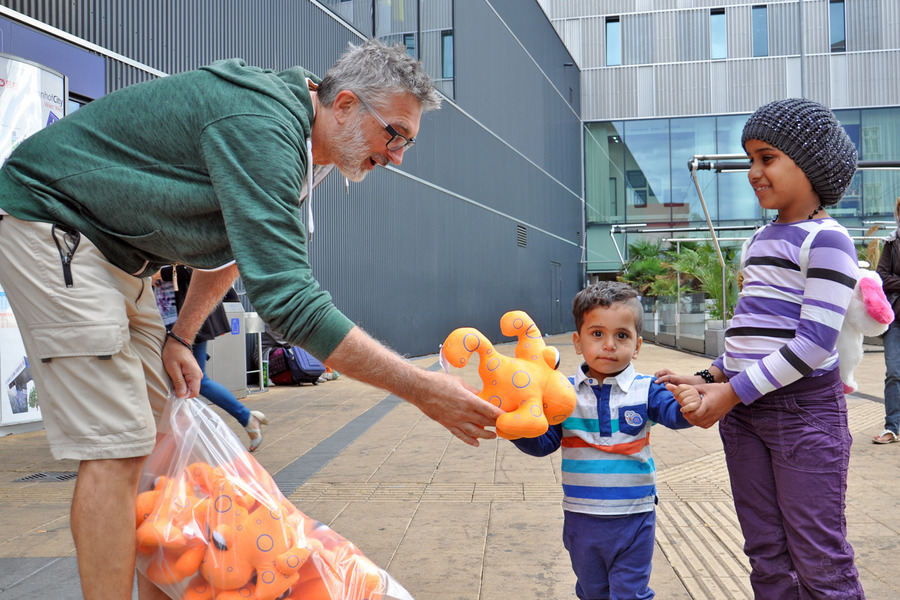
point(94, 338)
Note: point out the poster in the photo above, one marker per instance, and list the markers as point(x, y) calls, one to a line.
point(31, 98)
point(18, 402)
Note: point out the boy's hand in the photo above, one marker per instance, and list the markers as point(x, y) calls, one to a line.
point(687, 396)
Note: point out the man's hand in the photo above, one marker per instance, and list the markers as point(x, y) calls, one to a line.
point(451, 403)
point(183, 369)
point(441, 397)
point(716, 400)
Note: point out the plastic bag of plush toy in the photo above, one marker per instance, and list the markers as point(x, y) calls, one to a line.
point(212, 523)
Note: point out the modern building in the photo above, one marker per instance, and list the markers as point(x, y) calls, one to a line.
point(485, 213)
point(665, 80)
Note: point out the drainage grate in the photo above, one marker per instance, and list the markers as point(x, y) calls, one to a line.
point(48, 476)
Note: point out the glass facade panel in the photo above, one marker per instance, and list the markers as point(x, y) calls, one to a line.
point(760, 31)
point(878, 139)
point(718, 42)
point(689, 137)
point(851, 205)
point(648, 190)
point(836, 22)
point(613, 42)
point(736, 199)
point(604, 173)
point(637, 172)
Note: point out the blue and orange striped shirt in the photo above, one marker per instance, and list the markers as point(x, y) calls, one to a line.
point(607, 466)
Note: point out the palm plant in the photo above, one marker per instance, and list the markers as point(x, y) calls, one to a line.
point(701, 265)
point(644, 267)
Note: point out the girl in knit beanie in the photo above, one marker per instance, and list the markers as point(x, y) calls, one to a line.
point(777, 389)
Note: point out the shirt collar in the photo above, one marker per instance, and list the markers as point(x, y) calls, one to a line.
point(623, 379)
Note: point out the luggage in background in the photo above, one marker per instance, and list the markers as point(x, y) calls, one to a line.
point(292, 365)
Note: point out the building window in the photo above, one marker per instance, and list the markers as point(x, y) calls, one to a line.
point(409, 40)
point(718, 43)
point(613, 42)
point(760, 31)
point(836, 19)
point(447, 54)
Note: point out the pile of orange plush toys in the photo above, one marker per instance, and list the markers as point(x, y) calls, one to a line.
point(226, 532)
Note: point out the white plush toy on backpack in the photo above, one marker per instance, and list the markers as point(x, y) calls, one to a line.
point(868, 314)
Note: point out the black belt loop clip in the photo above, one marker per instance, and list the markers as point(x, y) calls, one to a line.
point(66, 247)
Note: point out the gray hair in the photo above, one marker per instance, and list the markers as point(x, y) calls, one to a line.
point(605, 294)
point(374, 72)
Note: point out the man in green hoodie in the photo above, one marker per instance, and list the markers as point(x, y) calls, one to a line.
point(206, 168)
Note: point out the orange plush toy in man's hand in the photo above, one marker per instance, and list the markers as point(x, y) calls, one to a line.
point(528, 387)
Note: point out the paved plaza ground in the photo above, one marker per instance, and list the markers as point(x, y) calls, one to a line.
point(451, 522)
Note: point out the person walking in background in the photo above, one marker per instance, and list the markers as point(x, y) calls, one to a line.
point(170, 294)
point(609, 479)
point(777, 389)
point(889, 270)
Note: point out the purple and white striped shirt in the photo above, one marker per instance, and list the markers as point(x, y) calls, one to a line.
point(786, 322)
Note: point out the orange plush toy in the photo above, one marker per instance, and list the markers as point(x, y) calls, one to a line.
point(528, 387)
point(250, 545)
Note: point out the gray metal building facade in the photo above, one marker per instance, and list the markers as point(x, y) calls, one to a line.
point(485, 213)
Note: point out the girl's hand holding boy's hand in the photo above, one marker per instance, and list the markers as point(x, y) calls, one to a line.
point(668, 376)
point(716, 400)
point(687, 396)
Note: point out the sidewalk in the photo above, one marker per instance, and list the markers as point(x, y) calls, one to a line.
point(451, 522)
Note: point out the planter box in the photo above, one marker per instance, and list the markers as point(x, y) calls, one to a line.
point(715, 338)
point(691, 343)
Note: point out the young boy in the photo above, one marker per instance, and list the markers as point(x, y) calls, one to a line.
point(609, 478)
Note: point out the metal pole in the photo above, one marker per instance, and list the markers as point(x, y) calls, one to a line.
point(712, 231)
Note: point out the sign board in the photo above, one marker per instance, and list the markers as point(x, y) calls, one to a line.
point(31, 98)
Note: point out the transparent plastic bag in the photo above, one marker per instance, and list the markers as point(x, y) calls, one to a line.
point(212, 524)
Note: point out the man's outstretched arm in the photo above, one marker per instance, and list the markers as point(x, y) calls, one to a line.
point(441, 397)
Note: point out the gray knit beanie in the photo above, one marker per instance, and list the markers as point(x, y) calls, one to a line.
point(810, 134)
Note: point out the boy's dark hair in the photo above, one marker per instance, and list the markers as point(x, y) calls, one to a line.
point(605, 294)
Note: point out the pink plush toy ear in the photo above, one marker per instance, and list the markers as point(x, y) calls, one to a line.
point(876, 302)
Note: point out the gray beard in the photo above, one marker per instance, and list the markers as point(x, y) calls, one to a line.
point(351, 151)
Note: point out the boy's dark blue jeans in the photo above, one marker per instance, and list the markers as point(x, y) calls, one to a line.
point(611, 556)
point(788, 455)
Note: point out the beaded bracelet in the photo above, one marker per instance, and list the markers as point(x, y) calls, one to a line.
point(706, 375)
point(180, 340)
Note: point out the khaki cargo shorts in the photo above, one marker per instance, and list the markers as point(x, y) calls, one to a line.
point(93, 336)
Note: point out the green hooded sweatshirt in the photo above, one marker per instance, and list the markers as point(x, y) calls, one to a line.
point(200, 168)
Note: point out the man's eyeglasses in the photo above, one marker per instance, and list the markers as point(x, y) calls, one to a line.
point(398, 140)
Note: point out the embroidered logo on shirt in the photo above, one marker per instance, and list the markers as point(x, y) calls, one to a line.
point(633, 418)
